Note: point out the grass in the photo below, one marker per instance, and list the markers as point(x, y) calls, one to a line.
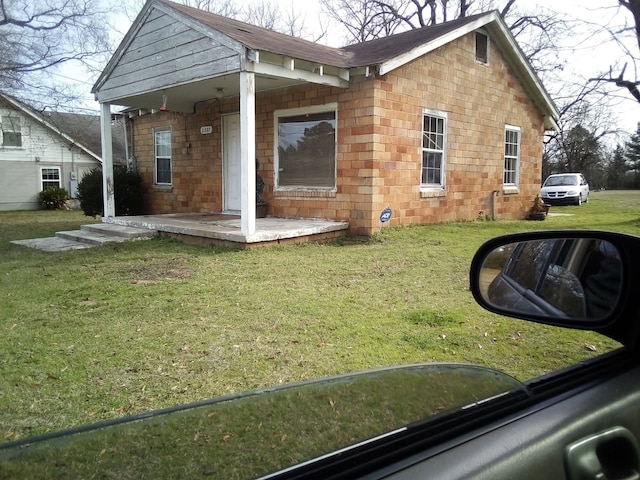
point(101, 333)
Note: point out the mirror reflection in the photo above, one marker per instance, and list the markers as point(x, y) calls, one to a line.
point(566, 278)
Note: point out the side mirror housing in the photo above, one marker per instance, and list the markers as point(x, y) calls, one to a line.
point(574, 279)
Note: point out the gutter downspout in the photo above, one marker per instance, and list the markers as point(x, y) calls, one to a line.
point(494, 193)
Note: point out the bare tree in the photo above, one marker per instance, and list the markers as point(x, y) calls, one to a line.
point(538, 32)
point(622, 36)
point(39, 36)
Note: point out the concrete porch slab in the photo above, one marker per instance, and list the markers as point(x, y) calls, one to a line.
point(225, 229)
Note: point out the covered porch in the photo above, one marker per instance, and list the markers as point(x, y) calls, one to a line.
point(226, 230)
point(200, 89)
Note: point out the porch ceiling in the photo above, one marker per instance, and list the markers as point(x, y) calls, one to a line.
point(183, 98)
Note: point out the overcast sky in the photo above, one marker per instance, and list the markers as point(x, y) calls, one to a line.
point(587, 56)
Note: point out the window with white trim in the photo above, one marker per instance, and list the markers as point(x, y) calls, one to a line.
point(50, 177)
point(511, 155)
point(482, 47)
point(434, 126)
point(162, 150)
point(11, 131)
point(306, 147)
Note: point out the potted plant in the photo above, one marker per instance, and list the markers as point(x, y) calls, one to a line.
point(539, 210)
point(261, 205)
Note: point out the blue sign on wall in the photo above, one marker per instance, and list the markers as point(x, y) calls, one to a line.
point(385, 216)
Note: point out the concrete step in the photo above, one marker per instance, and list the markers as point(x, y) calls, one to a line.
point(111, 229)
point(101, 233)
point(90, 238)
point(52, 244)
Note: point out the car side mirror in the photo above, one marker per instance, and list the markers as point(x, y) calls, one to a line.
point(563, 278)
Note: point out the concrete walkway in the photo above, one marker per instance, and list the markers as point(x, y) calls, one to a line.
point(88, 236)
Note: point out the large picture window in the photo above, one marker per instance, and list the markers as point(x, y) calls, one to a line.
point(163, 156)
point(306, 140)
point(50, 177)
point(511, 155)
point(433, 146)
point(11, 131)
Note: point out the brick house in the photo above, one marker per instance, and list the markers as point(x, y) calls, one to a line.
point(433, 125)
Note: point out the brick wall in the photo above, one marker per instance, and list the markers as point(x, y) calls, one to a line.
point(479, 100)
point(379, 145)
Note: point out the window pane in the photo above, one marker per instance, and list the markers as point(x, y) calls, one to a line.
point(11, 131)
point(482, 43)
point(432, 150)
point(431, 167)
point(163, 156)
point(511, 154)
point(307, 150)
point(50, 177)
point(163, 143)
point(163, 170)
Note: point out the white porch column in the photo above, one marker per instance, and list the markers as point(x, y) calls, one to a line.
point(248, 152)
point(107, 161)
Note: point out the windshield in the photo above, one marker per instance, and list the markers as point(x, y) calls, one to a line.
point(260, 432)
point(561, 180)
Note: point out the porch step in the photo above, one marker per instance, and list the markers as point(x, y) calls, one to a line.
point(101, 233)
point(111, 229)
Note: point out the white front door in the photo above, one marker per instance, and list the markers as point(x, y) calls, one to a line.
point(231, 162)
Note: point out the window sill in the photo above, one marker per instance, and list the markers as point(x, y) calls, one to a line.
point(162, 188)
point(304, 193)
point(433, 193)
point(510, 190)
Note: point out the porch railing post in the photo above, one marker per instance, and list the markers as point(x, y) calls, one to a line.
point(107, 161)
point(248, 152)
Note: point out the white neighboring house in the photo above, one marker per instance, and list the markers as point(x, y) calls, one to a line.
point(38, 150)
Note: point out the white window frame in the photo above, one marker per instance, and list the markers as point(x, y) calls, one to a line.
point(48, 180)
point(483, 61)
point(293, 112)
point(157, 157)
point(429, 149)
point(511, 176)
point(7, 125)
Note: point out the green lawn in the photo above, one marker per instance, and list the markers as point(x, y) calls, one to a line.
point(104, 332)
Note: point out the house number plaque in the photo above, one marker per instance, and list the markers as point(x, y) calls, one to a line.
point(206, 129)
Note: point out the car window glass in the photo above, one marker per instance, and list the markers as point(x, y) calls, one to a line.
point(260, 432)
point(528, 264)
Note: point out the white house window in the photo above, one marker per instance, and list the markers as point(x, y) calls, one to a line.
point(163, 157)
point(11, 131)
point(50, 177)
point(511, 155)
point(306, 143)
point(433, 147)
point(482, 47)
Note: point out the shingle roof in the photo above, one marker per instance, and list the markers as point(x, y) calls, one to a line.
point(380, 50)
point(85, 129)
point(81, 129)
point(358, 55)
point(259, 38)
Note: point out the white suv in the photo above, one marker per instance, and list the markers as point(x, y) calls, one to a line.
point(565, 189)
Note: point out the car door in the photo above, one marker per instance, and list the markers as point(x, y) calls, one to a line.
point(581, 422)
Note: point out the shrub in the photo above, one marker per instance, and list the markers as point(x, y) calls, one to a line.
point(90, 192)
point(54, 198)
point(128, 192)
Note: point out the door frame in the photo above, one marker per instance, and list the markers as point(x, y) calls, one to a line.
point(230, 158)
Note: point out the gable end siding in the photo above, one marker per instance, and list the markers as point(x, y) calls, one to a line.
point(166, 53)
